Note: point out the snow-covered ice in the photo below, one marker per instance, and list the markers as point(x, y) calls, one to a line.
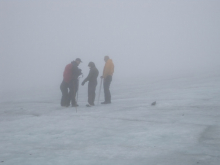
point(183, 127)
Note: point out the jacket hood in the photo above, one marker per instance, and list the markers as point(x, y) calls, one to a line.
point(74, 63)
point(91, 64)
point(109, 61)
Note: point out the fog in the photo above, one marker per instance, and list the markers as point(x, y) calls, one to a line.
point(146, 38)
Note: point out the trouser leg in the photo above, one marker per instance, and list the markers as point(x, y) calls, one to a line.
point(73, 91)
point(65, 96)
point(106, 85)
point(91, 92)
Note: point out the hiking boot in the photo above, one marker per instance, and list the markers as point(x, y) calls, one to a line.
point(90, 105)
point(75, 105)
point(65, 105)
point(106, 102)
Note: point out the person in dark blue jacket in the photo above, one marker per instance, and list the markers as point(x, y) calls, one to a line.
point(92, 78)
point(74, 83)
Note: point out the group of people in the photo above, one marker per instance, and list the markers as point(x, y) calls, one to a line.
point(70, 83)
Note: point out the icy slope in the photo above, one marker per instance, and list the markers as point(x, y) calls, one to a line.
point(182, 128)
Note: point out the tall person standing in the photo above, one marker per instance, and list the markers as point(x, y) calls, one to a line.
point(65, 85)
point(69, 85)
point(74, 83)
point(92, 78)
point(107, 76)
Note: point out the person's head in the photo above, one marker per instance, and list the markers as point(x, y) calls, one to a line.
point(91, 64)
point(78, 61)
point(106, 58)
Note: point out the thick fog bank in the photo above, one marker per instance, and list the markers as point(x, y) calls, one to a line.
point(144, 39)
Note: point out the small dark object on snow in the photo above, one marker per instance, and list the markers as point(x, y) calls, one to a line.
point(154, 103)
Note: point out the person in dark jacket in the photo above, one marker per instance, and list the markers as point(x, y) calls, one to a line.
point(92, 78)
point(74, 83)
point(70, 73)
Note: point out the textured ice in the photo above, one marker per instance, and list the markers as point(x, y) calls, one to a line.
point(182, 128)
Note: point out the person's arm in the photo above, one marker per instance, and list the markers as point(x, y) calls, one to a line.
point(104, 71)
point(88, 78)
point(108, 70)
point(76, 72)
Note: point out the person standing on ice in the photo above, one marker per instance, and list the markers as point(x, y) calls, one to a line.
point(67, 87)
point(74, 83)
point(107, 76)
point(92, 78)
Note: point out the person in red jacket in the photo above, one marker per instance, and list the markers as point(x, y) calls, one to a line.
point(67, 88)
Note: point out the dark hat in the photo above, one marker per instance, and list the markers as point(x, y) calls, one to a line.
point(91, 64)
point(78, 59)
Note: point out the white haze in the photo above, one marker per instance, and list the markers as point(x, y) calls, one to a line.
point(144, 38)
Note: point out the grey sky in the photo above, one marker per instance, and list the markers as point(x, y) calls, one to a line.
point(143, 37)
